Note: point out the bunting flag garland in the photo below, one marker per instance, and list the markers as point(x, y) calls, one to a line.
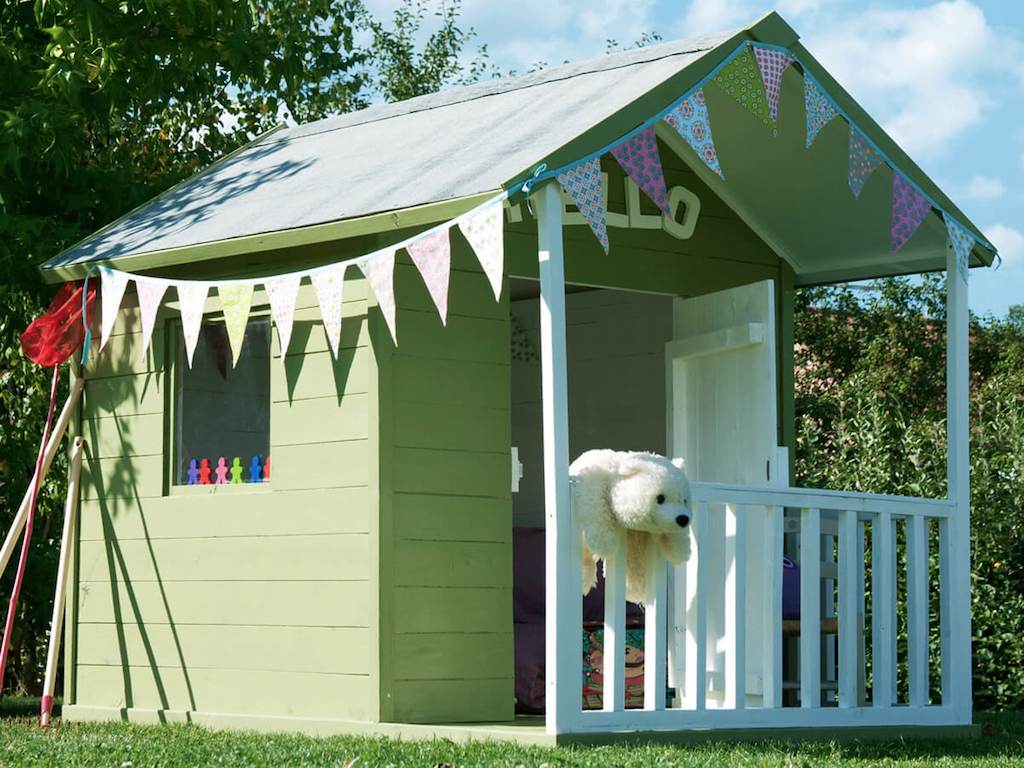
point(772, 63)
point(818, 108)
point(639, 157)
point(485, 232)
point(236, 301)
point(909, 207)
point(863, 160)
point(432, 256)
point(963, 241)
point(583, 184)
point(192, 297)
point(380, 273)
point(690, 120)
point(151, 293)
point(329, 285)
point(113, 284)
point(741, 79)
point(283, 294)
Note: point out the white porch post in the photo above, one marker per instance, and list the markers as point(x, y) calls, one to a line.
point(956, 573)
point(564, 604)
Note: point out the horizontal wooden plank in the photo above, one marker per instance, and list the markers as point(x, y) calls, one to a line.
point(124, 354)
point(356, 290)
point(420, 334)
point(125, 477)
point(333, 557)
point(452, 427)
point(120, 435)
point(452, 564)
point(469, 293)
point(454, 473)
point(331, 650)
point(321, 465)
point(451, 518)
point(234, 691)
point(454, 701)
point(308, 332)
point(452, 656)
point(320, 420)
point(318, 374)
point(126, 395)
point(334, 510)
point(453, 609)
point(454, 382)
point(231, 602)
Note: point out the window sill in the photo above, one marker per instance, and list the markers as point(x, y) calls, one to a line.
point(213, 489)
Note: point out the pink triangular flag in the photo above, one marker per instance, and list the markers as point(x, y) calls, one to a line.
point(151, 291)
point(485, 233)
point(113, 284)
point(283, 294)
point(772, 64)
point(639, 157)
point(583, 184)
point(192, 298)
point(432, 256)
point(329, 285)
point(380, 273)
point(909, 207)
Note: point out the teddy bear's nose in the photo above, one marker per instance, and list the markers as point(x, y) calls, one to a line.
point(683, 521)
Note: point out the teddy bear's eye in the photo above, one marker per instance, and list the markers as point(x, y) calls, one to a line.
point(661, 498)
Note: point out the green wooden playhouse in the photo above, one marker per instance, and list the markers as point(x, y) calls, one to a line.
point(364, 581)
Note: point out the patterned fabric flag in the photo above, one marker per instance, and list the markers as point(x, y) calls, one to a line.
point(283, 294)
point(863, 160)
point(963, 241)
point(432, 256)
point(113, 284)
point(192, 297)
point(818, 108)
point(741, 79)
point(583, 184)
point(380, 273)
point(909, 207)
point(485, 233)
point(151, 292)
point(236, 300)
point(639, 157)
point(329, 285)
point(690, 119)
point(772, 63)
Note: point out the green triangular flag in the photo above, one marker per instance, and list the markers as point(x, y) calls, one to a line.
point(236, 301)
point(741, 79)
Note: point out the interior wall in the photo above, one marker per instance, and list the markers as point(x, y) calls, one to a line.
point(616, 371)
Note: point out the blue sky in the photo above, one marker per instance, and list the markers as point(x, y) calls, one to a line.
point(945, 79)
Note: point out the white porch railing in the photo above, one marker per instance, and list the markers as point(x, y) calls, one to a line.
point(726, 673)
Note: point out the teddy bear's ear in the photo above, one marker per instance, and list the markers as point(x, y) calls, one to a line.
point(677, 463)
point(630, 467)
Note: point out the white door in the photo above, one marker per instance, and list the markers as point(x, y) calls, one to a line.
point(722, 421)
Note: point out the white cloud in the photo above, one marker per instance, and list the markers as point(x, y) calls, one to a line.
point(1008, 241)
point(985, 188)
point(716, 16)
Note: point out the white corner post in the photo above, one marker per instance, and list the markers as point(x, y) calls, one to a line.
point(955, 562)
point(564, 579)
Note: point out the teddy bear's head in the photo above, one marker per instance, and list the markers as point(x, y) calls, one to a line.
point(650, 493)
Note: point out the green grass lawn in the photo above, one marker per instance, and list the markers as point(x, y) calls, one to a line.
point(122, 744)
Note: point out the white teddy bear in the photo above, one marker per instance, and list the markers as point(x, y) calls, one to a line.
point(643, 495)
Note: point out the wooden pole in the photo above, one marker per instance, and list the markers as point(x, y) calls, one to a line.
point(51, 450)
point(57, 621)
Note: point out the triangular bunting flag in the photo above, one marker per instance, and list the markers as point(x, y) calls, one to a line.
point(772, 63)
point(818, 108)
point(639, 157)
point(909, 207)
point(113, 284)
point(432, 256)
point(380, 273)
point(863, 160)
point(690, 119)
point(151, 291)
point(236, 301)
point(283, 293)
point(583, 184)
point(192, 297)
point(484, 231)
point(963, 242)
point(329, 285)
point(741, 79)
